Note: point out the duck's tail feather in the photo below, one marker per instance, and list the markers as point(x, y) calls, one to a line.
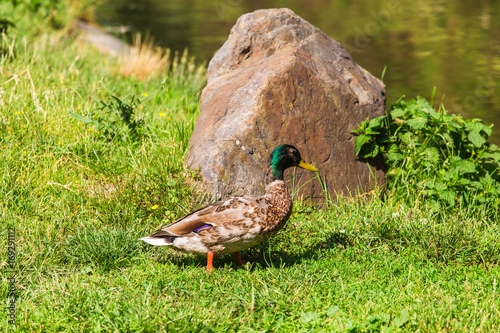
point(159, 241)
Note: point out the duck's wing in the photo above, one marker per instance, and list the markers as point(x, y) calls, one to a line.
point(220, 213)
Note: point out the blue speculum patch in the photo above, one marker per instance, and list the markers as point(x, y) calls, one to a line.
point(202, 227)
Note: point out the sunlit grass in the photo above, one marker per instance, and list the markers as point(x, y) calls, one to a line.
point(80, 201)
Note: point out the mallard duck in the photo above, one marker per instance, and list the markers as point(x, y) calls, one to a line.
point(238, 222)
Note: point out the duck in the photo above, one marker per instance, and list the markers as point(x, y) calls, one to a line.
point(236, 223)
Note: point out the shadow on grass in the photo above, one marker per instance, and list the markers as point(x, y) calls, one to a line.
point(262, 256)
point(267, 256)
point(109, 248)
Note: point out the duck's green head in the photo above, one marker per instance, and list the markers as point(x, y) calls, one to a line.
point(284, 157)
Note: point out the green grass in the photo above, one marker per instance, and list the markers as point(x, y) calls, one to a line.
point(80, 200)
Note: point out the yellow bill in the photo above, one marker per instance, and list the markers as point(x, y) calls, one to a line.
point(306, 166)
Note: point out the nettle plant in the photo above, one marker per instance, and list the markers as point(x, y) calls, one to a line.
point(115, 120)
point(433, 157)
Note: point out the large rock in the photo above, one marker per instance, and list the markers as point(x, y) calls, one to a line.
point(278, 79)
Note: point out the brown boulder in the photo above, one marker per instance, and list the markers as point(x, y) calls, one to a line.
point(278, 79)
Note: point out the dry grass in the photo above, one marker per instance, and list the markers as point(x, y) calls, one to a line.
point(145, 60)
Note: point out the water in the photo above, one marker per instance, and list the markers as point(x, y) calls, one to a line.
point(451, 45)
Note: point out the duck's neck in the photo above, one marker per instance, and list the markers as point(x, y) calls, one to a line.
point(273, 175)
point(275, 185)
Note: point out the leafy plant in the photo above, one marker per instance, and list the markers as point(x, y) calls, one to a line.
point(444, 158)
point(115, 120)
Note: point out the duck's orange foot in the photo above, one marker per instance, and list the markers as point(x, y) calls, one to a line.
point(210, 261)
point(238, 259)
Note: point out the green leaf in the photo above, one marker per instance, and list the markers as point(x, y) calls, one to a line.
point(494, 156)
point(429, 184)
point(406, 138)
point(487, 180)
point(448, 140)
point(423, 104)
point(332, 311)
point(394, 153)
point(396, 113)
point(376, 123)
point(87, 120)
point(493, 148)
point(435, 115)
point(451, 174)
point(464, 181)
point(433, 205)
point(464, 166)
point(369, 150)
point(429, 192)
point(448, 196)
point(361, 140)
point(417, 123)
point(401, 318)
point(309, 316)
point(476, 139)
point(474, 126)
point(487, 129)
point(440, 186)
point(477, 185)
point(362, 127)
point(370, 131)
point(453, 125)
point(432, 154)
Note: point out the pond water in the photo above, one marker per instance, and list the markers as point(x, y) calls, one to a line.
point(451, 45)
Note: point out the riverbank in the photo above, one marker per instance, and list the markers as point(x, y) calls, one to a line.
point(80, 186)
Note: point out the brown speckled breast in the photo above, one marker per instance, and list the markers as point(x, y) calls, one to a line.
point(280, 207)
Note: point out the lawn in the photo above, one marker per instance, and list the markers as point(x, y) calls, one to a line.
point(92, 160)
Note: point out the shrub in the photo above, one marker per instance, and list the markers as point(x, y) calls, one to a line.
point(115, 120)
point(444, 159)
